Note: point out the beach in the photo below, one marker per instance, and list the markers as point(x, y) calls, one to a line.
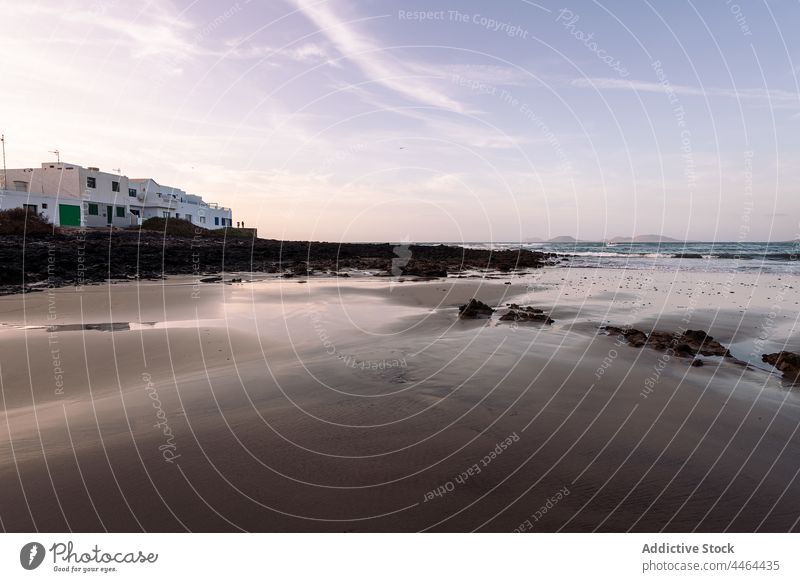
point(366, 404)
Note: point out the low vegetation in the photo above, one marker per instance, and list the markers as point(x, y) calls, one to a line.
point(23, 221)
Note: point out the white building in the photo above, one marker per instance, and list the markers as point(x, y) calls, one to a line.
point(154, 199)
point(71, 195)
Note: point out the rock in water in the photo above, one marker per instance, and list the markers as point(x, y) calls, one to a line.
point(703, 344)
point(786, 362)
point(474, 310)
point(688, 344)
point(525, 314)
point(635, 338)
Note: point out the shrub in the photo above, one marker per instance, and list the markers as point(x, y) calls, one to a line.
point(23, 221)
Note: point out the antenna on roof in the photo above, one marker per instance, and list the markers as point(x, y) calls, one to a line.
point(5, 174)
point(58, 155)
point(117, 170)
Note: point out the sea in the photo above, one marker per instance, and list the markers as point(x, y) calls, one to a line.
point(767, 257)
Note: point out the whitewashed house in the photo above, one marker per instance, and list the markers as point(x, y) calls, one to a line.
point(71, 195)
point(154, 199)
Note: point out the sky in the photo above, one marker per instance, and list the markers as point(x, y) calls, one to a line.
point(367, 120)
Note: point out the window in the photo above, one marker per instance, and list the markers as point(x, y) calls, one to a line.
point(120, 212)
point(135, 212)
point(114, 186)
point(30, 208)
point(91, 182)
point(202, 219)
point(132, 192)
point(20, 186)
point(165, 214)
point(216, 221)
point(44, 205)
point(93, 210)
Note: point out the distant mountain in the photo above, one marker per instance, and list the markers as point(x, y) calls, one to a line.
point(563, 239)
point(644, 238)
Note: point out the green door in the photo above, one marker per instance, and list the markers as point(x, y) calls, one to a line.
point(69, 215)
point(109, 214)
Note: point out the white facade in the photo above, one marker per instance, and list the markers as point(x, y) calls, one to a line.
point(49, 206)
point(103, 199)
point(154, 199)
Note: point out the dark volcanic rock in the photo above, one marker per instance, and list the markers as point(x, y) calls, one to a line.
point(786, 362)
point(475, 309)
point(688, 344)
point(703, 344)
point(516, 307)
point(525, 314)
point(85, 256)
point(456, 258)
point(424, 269)
point(663, 341)
point(635, 338)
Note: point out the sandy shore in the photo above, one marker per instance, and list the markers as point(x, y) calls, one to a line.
point(366, 404)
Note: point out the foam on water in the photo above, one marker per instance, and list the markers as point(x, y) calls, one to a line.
point(776, 257)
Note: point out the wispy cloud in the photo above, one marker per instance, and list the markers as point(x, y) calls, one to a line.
point(771, 95)
point(158, 29)
point(481, 73)
point(371, 59)
point(309, 52)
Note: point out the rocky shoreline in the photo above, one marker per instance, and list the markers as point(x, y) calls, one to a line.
point(80, 257)
point(693, 343)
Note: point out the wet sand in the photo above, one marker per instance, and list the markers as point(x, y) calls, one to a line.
point(365, 404)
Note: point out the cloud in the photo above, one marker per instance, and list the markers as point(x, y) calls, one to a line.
point(777, 96)
point(304, 53)
point(373, 61)
point(489, 74)
point(157, 29)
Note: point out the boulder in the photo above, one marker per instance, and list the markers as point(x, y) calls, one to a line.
point(688, 344)
point(786, 362)
point(474, 309)
point(525, 314)
point(703, 344)
point(634, 337)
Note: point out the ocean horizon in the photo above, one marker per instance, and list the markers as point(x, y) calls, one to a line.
point(769, 257)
